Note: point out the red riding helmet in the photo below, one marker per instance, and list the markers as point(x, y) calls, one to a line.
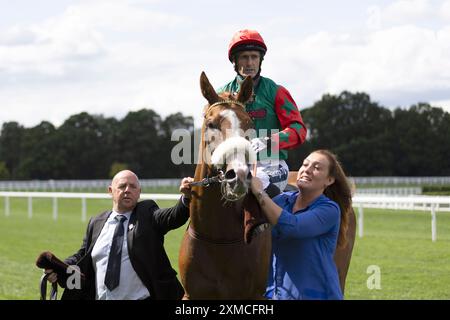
point(246, 40)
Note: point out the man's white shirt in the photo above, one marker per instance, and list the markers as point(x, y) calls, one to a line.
point(130, 285)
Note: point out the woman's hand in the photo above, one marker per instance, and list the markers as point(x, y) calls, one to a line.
point(256, 186)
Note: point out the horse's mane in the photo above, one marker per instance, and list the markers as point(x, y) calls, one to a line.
point(227, 95)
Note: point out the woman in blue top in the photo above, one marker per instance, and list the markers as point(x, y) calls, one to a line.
point(307, 226)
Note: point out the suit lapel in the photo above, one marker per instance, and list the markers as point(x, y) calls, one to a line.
point(97, 227)
point(130, 231)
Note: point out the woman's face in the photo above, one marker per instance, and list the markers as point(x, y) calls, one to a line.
point(313, 175)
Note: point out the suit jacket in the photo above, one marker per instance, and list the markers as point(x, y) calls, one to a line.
point(145, 248)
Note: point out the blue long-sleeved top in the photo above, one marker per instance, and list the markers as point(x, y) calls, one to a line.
point(303, 247)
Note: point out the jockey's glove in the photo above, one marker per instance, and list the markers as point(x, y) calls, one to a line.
point(259, 144)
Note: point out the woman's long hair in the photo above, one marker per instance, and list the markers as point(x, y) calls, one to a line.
point(340, 192)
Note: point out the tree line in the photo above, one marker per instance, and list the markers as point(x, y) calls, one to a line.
point(369, 139)
point(92, 147)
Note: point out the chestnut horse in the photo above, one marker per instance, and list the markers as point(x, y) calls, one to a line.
point(215, 261)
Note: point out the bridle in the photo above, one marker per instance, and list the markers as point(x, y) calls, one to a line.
point(218, 103)
point(205, 182)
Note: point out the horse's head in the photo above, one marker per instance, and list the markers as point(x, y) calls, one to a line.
point(225, 128)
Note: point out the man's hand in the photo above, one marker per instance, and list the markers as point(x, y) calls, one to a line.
point(53, 277)
point(185, 187)
point(259, 144)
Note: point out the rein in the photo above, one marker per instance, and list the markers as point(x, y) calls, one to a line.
point(219, 178)
point(205, 182)
point(43, 287)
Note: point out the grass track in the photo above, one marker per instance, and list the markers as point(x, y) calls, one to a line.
point(398, 242)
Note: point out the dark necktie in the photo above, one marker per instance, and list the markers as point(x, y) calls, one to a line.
point(112, 276)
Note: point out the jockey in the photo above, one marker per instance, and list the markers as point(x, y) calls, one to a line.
point(278, 123)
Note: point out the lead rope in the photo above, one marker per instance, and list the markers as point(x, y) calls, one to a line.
point(205, 182)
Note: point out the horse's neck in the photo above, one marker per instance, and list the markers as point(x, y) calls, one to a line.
point(202, 171)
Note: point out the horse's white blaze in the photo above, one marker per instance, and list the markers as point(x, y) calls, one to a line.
point(235, 124)
point(213, 138)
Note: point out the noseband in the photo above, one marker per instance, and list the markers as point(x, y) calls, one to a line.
point(220, 179)
point(205, 182)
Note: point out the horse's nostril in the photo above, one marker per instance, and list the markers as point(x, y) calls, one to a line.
point(230, 174)
point(241, 174)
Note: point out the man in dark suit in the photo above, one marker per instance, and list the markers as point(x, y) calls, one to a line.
point(122, 256)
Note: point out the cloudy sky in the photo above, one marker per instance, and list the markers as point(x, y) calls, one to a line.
point(61, 57)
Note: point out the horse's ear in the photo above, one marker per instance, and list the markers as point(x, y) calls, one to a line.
point(246, 90)
point(207, 89)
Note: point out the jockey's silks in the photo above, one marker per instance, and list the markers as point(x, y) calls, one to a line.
point(272, 107)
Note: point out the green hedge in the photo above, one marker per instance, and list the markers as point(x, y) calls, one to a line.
point(436, 190)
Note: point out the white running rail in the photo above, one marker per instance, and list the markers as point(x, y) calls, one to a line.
point(414, 202)
point(71, 195)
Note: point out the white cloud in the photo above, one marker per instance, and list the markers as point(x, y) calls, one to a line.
point(17, 35)
point(118, 16)
point(374, 18)
point(83, 31)
point(84, 60)
point(395, 58)
point(397, 65)
point(444, 11)
point(110, 57)
point(407, 11)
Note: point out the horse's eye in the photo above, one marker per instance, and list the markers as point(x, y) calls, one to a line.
point(211, 125)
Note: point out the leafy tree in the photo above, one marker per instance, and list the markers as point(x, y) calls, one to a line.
point(353, 127)
point(369, 139)
point(423, 137)
point(117, 167)
point(4, 173)
point(37, 150)
point(139, 140)
point(170, 124)
point(10, 146)
point(83, 147)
